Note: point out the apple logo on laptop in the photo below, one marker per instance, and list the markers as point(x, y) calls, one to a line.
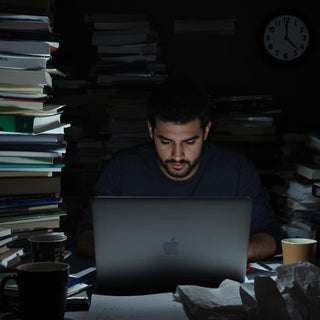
point(171, 247)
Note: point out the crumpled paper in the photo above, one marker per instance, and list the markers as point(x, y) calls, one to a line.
point(223, 302)
point(293, 295)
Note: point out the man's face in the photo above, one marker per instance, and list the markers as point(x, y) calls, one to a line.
point(178, 147)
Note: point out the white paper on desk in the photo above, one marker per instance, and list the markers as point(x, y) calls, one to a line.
point(158, 306)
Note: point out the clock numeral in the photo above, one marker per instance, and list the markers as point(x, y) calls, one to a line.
point(271, 29)
point(295, 53)
point(268, 37)
point(285, 55)
point(301, 46)
point(270, 46)
point(286, 19)
point(277, 23)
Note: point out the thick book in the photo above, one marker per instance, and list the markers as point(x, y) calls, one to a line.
point(27, 112)
point(30, 203)
point(25, 24)
point(140, 48)
point(20, 103)
point(4, 249)
point(25, 77)
point(31, 139)
point(17, 226)
point(30, 185)
point(21, 89)
point(27, 160)
point(11, 258)
point(57, 129)
point(22, 95)
point(24, 153)
point(26, 47)
point(30, 167)
point(30, 35)
point(22, 61)
point(11, 174)
point(310, 171)
point(5, 232)
point(26, 105)
point(117, 21)
point(33, 150)
point(7, 239)
point(28, 197)
point(28, 124)
point(27, 210)
point(122, 37)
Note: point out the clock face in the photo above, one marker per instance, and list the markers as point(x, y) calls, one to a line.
point(286, 37)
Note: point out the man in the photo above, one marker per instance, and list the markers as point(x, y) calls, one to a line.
point(180, 161)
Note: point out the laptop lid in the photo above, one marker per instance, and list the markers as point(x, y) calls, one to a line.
point(153, 244)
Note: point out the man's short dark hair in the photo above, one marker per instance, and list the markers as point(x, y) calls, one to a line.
point(179, 101)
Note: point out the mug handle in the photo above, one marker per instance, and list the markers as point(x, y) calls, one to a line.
point(4, 298)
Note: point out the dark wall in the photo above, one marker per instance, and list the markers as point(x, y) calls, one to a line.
point(227, 65)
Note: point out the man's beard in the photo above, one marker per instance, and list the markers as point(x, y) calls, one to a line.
point(176, 173)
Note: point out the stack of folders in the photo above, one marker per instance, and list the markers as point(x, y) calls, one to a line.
point(32, 144)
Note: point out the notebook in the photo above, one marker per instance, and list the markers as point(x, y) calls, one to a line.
point(152, 244)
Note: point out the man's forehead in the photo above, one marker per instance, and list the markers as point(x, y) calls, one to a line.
point(194, 124)
point(178, 131)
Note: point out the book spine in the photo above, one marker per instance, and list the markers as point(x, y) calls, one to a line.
point(8, 34)
point(16, 123)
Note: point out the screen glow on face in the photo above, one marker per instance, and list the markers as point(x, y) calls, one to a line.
point(286, 37)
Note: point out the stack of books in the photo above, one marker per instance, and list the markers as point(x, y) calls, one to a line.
point(295, 197)
point(128, 65)
point(9, 257)
point(249, 124)
point(32, 144)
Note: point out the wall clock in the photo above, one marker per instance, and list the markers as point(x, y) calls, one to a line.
point(286, 37)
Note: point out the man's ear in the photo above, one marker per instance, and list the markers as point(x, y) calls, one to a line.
point(207, 130)
point(150, 129)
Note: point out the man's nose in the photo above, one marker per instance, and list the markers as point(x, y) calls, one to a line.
point(177, 152)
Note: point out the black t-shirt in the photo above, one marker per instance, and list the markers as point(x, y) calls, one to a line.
point(222, 173)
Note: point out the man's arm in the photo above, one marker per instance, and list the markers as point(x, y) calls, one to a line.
point(261, 245)
point(85, 243)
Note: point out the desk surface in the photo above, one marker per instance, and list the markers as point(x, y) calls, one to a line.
point(79, 263)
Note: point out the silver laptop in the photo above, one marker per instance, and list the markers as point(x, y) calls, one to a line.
point(153, 244)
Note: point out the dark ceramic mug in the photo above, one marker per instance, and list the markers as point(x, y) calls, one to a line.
point(48, 247)
point(42, 289)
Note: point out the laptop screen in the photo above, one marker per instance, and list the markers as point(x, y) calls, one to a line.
point(153, 244)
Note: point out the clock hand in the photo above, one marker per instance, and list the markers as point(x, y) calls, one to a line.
point(286, 31)
point(286, 36)
point(292, 43)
